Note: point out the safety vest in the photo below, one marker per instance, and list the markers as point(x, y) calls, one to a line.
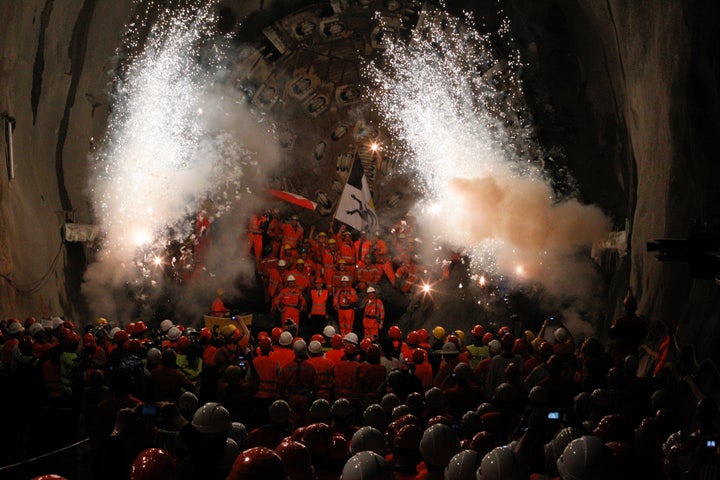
point(267, 370)
point(318, 301)
point(362, 248)
point(346, 299)
point(291, 236)
point(374, 310)
point(347, 253)
point(323, 367)
point(290, 297)
point(477, 354)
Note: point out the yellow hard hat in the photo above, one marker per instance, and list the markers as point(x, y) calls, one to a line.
point(439, 332)
point(461, 335)
point(529, 335)
point(101, 321)
point(228, 330)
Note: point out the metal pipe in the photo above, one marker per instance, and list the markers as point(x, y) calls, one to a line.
point(9, 127)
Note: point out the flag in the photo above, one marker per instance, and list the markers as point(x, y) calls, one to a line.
point(293, 198)
point(356, 207)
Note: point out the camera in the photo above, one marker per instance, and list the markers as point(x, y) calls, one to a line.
point(553, 416)
point(149, 411)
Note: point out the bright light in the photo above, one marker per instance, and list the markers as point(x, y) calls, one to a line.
point(426, 288)
point(158, 261)
point(374, 146)
point(482, 281)
point(520, 270)
point(141, 238)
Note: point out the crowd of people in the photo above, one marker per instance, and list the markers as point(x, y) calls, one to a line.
point(172, 402)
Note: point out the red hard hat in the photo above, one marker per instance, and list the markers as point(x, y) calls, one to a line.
point(487, 338)
point(365, 344)
point(140, 327)
point(408, 437)
point(121, 336)
point(296, 458)
point(418, 356)
point(265, 344)
point(483, 442)
point(318, 438)
point(413, 339)
point(29, 321)
point(130, 329)
point(423, 335)
point(350, 349)
point(88, 340)
point(478, 331)
point(520, 347)
point(154, 464)
point(373, 352)
point(205, 334)
point(133, 345)
point(256, 463)
point(340, 448)
point(318, 337)
point(507, 341)
point(275, 334)
point(395, 333)
point(69, 325)
point(615, 428)
point(50, 476)
point(183, 342)
point(503, 330)
point(336, 341)
point(454, 339)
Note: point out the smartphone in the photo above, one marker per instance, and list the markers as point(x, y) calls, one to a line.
point(710, 444)
point(553, 416)
point(149, 411)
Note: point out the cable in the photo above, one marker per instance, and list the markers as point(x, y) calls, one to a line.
point(44, 455)
point(36, 285)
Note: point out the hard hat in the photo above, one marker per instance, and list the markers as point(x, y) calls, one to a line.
point(15, 328)
point(318, 438)
point(615, 428)
point(154, 464)
point(555, 447)
point(487, 338)
point(256, 463)
point(336, 341)
point(519, 347)
point(279, 411)
point(49, 476)
point(332, 240)
point(373, 352)
point(226, 331)
point(322, 234)
point(287, 247)
point(370, 290)
point(538, 394)
point(461, 335)
point(140, 327)
point(320, 409)
point(341, 408)
point(88, 340)
point(502, 463)
point(529, 335)
point(315, 347)
point(56, 322)
point(462, 370)
point(412, 339)
point(507, 341)
point(165, 325)
point(232, 450)
point(285, 339)
point(101, 321)
point(351, 338)
point(275, 334)
point(585, 457)
point(291, 278)
point(418, 356)
point(375, 416)
point(450, 348)
point(388, 402)
point(478, 331)
point(211, 418)
point(318, 337)
point(463, 465)
point(187, 403)
point(296, 458)
point(395, 333)
point(438, 333)
point(561, 335)
point(344, 278)
point(368, 439)
point(329, 331)
point(120, 336)
point(113, 332)
point(366, 466)
point(483, 442)
point(495, 346)
point(174, 333)
point(472, 421)
point(434, 397)
point(453, 339)
point(265, 344)
point(365, 344)
point(282, 263)
point(400, 411)
point(408, 437)
point(341, 261)
point(300, 348)
point(423, 335)
point(182, 343)
point(35, 328)
point(438, 445)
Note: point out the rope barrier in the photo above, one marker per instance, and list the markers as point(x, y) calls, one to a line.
point(44, 455)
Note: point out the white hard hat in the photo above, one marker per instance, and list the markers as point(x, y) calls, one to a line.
point(351, 338)
point(463, 465)
point(585, 455)
point(434, 397)
point(291, 278)
point(495, 345)
point(153, 356)
point(211, 418)
point(375, 416)
point(315, 347)
point(368, 439)
point(561, 334)
point(15, 327)
point(188, 402)
point(367, 465)
point(166, 325)
point(341, 408)
point(232, 450)
point(344, 278)
point(438, 445)
point(388, 402)
point(400, 411)
point(282, 263)
point(56, 322)
point(502, 463)
point(35, 328)
point(329, 331)
point(556, 446)
point(320, 409)
point(300, 347)
point(449, 348)
point(238, 432)
point(285, 339)
point(174, 333)
point(370, 290)
point(113, 331)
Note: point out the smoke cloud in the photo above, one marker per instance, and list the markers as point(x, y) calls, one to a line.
point(180, 140)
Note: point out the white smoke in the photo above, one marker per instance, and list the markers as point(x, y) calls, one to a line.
point(178, 140)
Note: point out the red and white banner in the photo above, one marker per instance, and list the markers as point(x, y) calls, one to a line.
point(293, 198)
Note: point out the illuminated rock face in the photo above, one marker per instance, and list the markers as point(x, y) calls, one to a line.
point(628, 91)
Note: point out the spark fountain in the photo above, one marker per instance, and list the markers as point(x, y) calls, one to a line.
point(457, 115)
